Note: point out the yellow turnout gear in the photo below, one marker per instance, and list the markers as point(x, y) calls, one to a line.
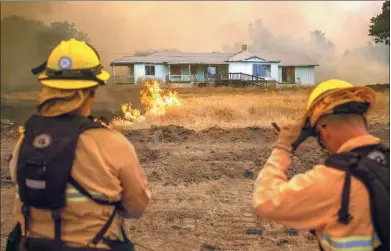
point(329, 95)
point(54, 102)
point(72, 64)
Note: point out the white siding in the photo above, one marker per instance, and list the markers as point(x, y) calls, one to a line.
point(244, 67)
point(305, 75)
point(247, 68)
point(161, 71)
point(279, 74)
point(139, 71)
point(274, 71)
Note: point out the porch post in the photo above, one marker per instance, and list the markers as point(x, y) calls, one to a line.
point(113, 72)
point(169, 73)
point(189, 73)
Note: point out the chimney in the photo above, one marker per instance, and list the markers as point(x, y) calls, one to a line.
point(244, 47)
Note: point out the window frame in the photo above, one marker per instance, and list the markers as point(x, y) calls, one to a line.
point(151, 71)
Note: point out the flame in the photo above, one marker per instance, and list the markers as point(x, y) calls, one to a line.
point(132, 114)
point(154, 101)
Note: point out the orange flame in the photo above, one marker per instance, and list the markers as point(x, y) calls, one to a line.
point(154, 101)
point(132, 114)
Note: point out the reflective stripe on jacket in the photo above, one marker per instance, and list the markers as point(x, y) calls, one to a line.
point(311, 200)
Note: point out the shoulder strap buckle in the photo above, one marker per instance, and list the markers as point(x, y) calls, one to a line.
point(56, 214)
point(344, 217)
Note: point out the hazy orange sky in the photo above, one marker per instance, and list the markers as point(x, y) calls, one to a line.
point(122, 27)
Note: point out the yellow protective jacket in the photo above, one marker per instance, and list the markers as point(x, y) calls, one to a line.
point(311, 201)
point(106, 165)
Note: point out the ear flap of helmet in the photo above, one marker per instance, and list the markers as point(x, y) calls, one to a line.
point(352, 107)
point(39, 69)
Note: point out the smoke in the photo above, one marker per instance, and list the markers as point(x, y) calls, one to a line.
point(33, 10)
point(123, 28)
point(145, 52)
point(366, 64)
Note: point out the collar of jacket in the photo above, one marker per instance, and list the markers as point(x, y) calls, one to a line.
point(358, 142)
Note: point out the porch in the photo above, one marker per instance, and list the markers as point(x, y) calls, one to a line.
point(123, 74)
point(196, 73)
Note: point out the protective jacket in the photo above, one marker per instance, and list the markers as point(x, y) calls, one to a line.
point(312, 200)
point(105, 165)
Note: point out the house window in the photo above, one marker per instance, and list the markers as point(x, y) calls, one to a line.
point(210, 70)
point(262, 70)
point(149, 70)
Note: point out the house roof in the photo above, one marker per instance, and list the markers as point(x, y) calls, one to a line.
point(284, 59)
point(176, 58)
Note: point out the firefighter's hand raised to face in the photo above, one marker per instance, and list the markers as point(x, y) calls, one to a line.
point(291, 136)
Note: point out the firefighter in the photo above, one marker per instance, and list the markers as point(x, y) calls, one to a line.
point(76, 179)
point(334, 203)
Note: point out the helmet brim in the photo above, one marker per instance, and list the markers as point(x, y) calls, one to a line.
point(370, 97)
point(71, 83)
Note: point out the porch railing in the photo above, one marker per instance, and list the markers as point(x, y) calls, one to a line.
point(124, 80)
point(239, 76)
point(180, 78)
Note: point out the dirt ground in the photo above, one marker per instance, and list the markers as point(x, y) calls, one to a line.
point(202, 184)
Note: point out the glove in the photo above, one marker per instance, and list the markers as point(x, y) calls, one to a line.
point(291, 136)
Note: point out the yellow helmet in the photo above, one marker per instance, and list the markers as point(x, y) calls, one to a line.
point(338, 96)
point(72, 64)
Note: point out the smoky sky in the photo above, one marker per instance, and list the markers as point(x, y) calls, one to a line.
point(122, 28)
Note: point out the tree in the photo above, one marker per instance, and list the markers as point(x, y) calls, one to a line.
point(380, 25)
point(25, 44)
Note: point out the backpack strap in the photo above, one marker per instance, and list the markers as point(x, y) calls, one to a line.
point(56, 216)
point(86, 193)
point(344, 162)
point(117, 205)
point(347, 161)
point(99, 236)
point(82, 124)
point(26, 215)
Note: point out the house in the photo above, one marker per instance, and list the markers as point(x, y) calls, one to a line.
point(174, 67)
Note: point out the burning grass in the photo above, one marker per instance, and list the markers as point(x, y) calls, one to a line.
point(155, 101)
point(232, 108)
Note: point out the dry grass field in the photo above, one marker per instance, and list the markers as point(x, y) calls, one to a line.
point(201, 160)
point(228, 108)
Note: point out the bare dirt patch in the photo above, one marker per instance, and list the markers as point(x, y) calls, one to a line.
point(201, 161)
point(202, 184)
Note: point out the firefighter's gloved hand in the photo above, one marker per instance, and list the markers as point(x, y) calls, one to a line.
point(291, 136)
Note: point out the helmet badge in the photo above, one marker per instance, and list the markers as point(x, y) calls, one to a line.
point(65, 63)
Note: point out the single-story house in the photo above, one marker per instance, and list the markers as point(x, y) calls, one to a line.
point(200, 67)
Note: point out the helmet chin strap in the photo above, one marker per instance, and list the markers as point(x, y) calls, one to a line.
point(320, 141)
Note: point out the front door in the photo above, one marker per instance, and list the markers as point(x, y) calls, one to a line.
point(259, 70)
point(210, 72)
point(288, 74)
